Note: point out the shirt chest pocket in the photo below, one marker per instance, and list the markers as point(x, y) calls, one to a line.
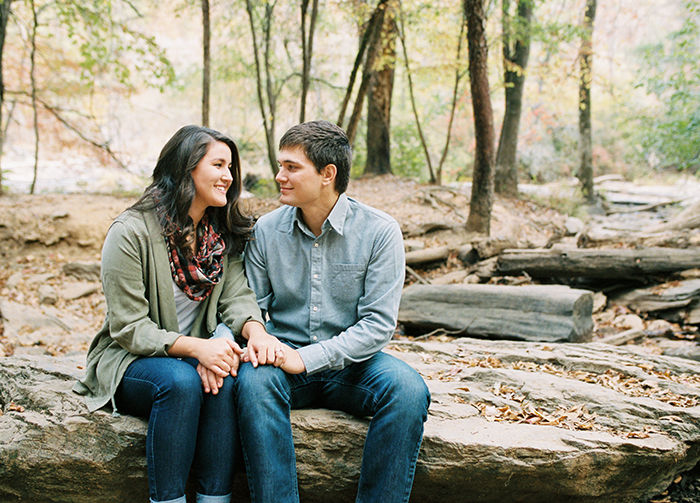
point(348, 282)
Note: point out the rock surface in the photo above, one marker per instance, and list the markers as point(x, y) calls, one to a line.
point(510, 421)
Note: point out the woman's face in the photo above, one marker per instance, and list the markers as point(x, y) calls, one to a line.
point(212, 179)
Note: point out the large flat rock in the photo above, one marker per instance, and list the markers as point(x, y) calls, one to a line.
point(510, 421)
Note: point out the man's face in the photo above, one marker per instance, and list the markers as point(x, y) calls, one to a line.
point(300, 183)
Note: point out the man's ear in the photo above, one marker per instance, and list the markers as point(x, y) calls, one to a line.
point(328, 174)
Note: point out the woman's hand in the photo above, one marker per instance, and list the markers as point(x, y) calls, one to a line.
point(210, 381)
point(222, 356)
point(217, 358)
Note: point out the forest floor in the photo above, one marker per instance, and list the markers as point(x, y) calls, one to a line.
point(39, 234)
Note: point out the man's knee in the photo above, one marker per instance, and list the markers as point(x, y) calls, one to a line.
point(414, 390)
point(408, 389)
point(253, 381)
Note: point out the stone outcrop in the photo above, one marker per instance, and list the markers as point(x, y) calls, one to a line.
point(510, 421)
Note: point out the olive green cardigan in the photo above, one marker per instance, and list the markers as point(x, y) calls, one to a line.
point(141, 318)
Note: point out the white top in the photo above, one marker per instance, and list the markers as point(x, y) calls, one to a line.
point(187, 310)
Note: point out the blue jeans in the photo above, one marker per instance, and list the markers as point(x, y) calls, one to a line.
point(383, 387)
point(186, 428)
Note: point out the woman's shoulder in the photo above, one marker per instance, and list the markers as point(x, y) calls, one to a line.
point(135, 218)
point(133, 223)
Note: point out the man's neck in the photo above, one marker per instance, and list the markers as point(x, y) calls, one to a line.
point(314, 216)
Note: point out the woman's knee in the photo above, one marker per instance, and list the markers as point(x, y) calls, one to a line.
point(183, 384)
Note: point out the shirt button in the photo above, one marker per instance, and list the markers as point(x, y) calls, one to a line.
point(315, 308)
point(315, 245)
point(315, 338)
point(315, 276)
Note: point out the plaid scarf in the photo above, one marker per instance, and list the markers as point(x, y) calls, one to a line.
point(197, 275)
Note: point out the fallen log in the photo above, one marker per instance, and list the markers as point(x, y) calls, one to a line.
point(600, 237)
point(675, 295)
point(427, 255)
point(536, 313)
point(597, 263)
point(689, 218)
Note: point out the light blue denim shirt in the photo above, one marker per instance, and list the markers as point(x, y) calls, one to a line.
point(335, 297)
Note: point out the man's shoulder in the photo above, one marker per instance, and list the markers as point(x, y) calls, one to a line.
point(367, 213)
point(279, 218)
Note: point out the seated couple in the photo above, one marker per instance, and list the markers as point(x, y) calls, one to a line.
point(327, 274)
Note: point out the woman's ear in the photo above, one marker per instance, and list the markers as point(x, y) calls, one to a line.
point(328, 174)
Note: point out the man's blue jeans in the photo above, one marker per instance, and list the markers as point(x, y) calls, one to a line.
point(186, 427)
point(383, 387)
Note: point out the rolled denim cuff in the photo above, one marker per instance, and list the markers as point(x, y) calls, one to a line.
point(181, 499)
point(201, 498)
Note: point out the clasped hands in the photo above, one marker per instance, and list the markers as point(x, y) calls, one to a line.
point(224, 356)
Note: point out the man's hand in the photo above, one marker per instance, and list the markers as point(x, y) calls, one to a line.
point(293, 363)
point(263, 348)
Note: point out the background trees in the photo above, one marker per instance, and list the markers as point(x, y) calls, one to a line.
point(669, 132)
point(62, 56)
point(516, 52)
point(274, 62)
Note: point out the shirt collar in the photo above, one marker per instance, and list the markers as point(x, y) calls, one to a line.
point(336, 219)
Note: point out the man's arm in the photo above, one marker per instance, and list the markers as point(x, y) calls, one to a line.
point(377, 309)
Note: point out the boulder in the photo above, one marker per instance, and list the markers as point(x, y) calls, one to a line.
point(509, 421)
point(87, 271)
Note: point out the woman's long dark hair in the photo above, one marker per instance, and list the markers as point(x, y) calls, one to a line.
point(172, 190)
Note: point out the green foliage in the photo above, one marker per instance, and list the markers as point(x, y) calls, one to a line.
point(265, 188)
point(407, 156)
point(670, 132)
point(110, 46)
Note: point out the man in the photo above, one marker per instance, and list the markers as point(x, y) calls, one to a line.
point(328, 271)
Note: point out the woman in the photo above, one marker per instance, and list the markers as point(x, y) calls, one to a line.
point(172, 276)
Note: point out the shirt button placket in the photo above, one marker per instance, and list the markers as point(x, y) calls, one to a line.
point(316, 291)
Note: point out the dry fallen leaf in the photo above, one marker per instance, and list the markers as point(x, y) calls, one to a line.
point(14, 407)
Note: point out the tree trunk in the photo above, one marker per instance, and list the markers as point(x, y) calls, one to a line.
point(32, 77)
point(4, 16)
point(514, 61)
point(307, 45)
point(264, 88)
point(377, 16)
point(379, 100)
point(372, 48)
point(585, 174)
point(482, 181)
point(206, 60)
